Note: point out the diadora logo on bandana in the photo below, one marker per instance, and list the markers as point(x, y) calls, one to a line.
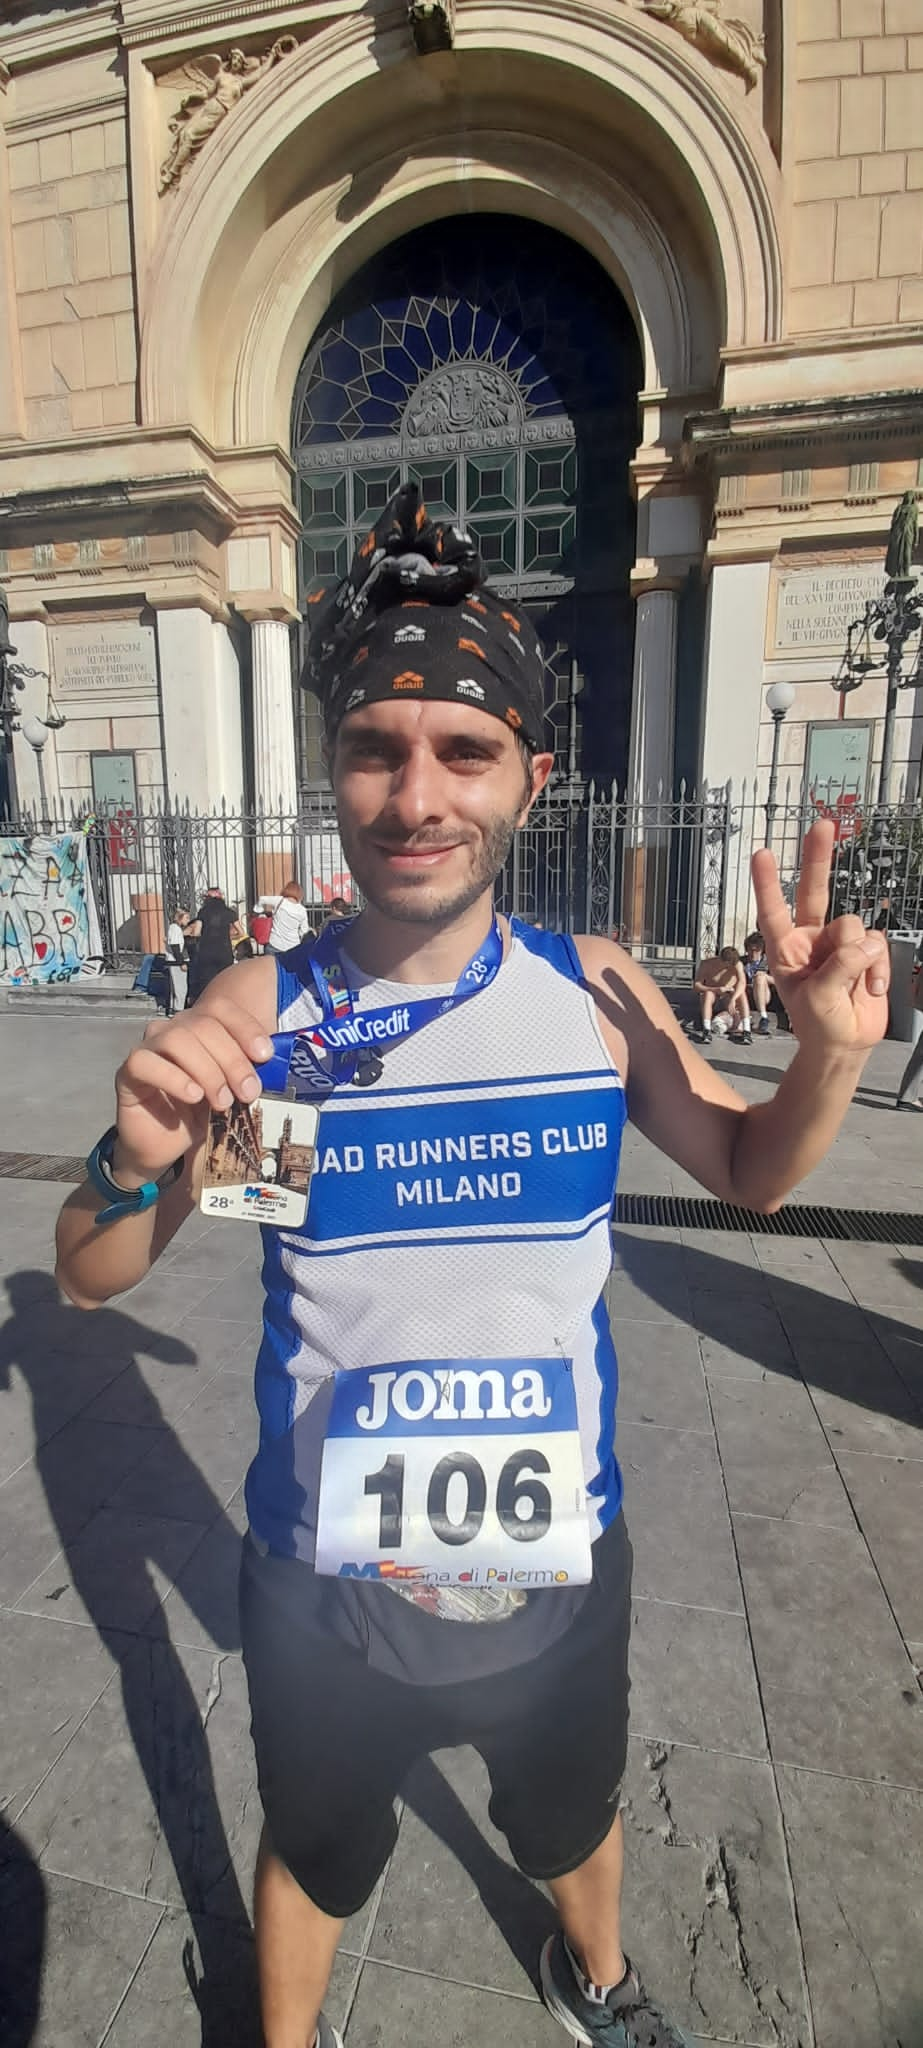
point(362, 1031)
point(470, 620)
point(409, 633)
point(408, 680)
point(454, 1394)
point(467, 687)
point(355, 697)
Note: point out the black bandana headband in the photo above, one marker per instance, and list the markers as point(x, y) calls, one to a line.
point(411, 620)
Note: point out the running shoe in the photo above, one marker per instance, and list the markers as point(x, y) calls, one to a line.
point(327, 2036)
point(763, 1027)
point(628, 2019)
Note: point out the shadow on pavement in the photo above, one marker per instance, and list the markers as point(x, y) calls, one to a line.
point(163, 1716)
point(22, 1945)
point(517, 1907)
point(827, 1341)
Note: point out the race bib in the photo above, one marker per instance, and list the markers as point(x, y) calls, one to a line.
point(456, 1473)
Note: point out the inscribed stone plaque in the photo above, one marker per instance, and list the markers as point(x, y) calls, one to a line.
point(815, 607)
point(114, 659)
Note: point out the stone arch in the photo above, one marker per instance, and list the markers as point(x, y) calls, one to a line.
point(574, 114)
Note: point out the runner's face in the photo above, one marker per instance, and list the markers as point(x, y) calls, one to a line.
point(429, 796)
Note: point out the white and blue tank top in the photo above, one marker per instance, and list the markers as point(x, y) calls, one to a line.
point(460, 1208)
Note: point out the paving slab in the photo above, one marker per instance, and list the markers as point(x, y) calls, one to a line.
point(836, 1684)
point(453, 1904)
point(677, 1517)
point(693, 1679)
point(887, 1497)
point(660, 1375)
point(708, 1908)
point(47, 1685)
point(857, 1865)
point(774, 1454)
point(154, 1795)
point(70, 1952)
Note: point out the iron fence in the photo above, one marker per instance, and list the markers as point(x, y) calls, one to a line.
point(670, 877)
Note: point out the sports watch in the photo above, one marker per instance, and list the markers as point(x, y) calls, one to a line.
point(125, 1201)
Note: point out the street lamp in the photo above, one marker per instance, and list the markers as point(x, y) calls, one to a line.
point(35, 732)
point(779, 698)
point(14, 675)
point(889, 624)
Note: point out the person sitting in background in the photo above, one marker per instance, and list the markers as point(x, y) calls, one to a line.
point(758, 979)
point(721, 981)
point(290, 920)
point(337, 908)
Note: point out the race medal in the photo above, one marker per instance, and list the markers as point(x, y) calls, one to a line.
point(455, 1473)
point(258, 1161)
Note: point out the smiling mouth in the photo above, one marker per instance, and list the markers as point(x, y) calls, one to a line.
point(415, 856)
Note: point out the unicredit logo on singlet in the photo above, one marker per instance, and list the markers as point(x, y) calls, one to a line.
point(362, 1030)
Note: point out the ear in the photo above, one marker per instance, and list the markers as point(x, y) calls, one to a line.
point(542, 765)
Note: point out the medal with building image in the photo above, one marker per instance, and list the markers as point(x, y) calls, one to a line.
point(259, 1161)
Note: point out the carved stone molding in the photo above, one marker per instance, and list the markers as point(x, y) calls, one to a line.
point(219, 84)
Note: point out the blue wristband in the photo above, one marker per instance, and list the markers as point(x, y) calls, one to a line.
point(124, 1201)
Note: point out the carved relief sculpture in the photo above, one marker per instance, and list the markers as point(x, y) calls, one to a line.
point(459, 398)
point(902, 539)
point(219, 83)
point(728, 42)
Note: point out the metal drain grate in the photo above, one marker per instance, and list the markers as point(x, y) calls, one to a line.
point(693, 1212)
point(664, 1212)
point(40, 1166)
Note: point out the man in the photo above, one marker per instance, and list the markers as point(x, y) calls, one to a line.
point(437, 1364)
point(721, 982)
point(759, 980)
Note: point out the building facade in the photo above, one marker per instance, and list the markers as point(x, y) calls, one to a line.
point(634, 286)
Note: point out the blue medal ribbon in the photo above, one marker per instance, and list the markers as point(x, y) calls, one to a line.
point(346, 1045)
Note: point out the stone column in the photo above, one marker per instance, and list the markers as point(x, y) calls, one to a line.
point(650, 765)
point(274, 773)
point(735, 652)
point(274, 777)
point(653, 700)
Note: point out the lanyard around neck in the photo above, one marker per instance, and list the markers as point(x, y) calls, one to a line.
point(348, 1045)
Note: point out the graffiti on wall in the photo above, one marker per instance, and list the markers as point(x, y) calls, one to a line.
point(44, 916)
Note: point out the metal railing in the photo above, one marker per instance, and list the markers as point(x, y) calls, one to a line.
point(670, 878)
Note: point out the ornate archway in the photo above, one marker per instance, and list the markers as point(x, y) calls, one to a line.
point(491, 362)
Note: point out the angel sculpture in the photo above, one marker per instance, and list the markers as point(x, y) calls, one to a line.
point(727, 42)
point(218, 84)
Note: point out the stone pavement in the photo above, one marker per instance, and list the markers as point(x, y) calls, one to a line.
point(771, 1434)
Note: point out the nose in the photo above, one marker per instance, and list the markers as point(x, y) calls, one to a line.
point(418, 791)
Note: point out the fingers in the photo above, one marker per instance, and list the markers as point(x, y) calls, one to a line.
point(242, 1025)
point(857, 960)
point(190, 1060)
point(773, 916)
point(813, 891)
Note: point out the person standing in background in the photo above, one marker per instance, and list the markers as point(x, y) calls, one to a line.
point(290, 920)
point(914, 1065)
point(215, 931)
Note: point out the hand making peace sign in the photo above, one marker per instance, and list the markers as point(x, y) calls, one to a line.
point(832, 978)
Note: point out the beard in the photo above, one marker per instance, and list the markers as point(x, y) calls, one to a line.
point(420, 899)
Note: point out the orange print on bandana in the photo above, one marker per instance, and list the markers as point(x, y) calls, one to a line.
point(408, 680)
point(362, 654)
point(512, 620)
point(513, 718)
point(475, 605)
point(471, 647)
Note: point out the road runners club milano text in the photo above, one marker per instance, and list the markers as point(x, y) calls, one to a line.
point(411, 1155)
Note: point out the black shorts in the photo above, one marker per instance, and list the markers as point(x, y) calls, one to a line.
point(335, 1738)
